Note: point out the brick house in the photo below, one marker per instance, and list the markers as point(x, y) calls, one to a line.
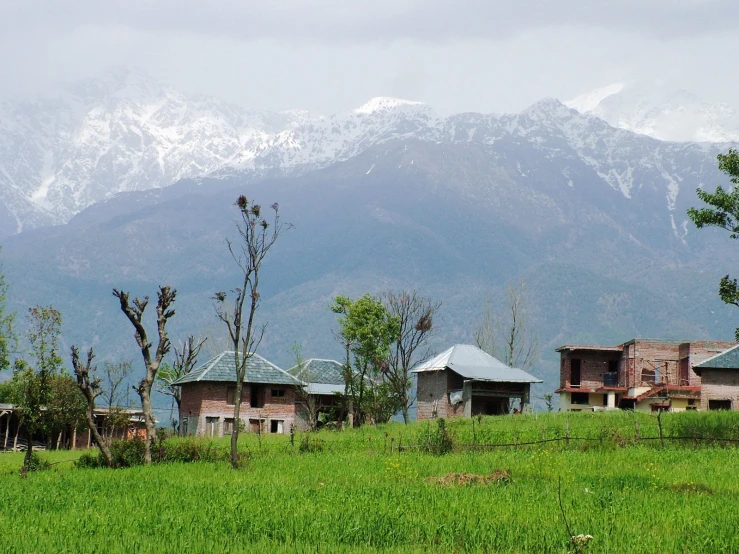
point(641, 374)
point(465, 381)
point(268, 398)
point(325, 383)
point(720, 380)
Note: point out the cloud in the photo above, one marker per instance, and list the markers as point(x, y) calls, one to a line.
point(377, 20)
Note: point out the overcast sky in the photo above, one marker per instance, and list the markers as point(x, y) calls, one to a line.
point(331, 55)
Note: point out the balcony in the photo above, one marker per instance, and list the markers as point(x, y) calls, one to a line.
point(610, 379)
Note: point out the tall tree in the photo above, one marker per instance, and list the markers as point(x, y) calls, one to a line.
point(368, 329)
point(723, 213)
point(256, 236)
point(506, 332)
point(415, 314)
point(7, 334)
point(185, 360)
point(135, 312)
point(90, 387)
point(33, 390)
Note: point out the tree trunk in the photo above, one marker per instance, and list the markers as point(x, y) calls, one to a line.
point(27, 458)
point(149, 421)
point(93, 432)
point(405, 411)
point(237, 423)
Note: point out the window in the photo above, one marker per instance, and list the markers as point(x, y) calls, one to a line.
point(719, 404)
point(183, 426)
point(231, 396)
point(228, 426)
point(211, 426)
point(575, 373)
point(278, 395)
point(648, 375)
point(276, 426)
point(613, 366)
point(579, 398)
point(256, 399)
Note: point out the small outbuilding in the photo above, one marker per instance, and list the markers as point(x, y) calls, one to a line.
point(465, 381)
point(720, 380)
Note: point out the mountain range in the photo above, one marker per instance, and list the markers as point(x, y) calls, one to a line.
point(388, 195)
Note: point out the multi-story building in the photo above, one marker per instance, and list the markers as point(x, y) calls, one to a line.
point(641, 374)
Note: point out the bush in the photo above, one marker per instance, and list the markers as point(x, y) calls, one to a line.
point(88, 460)
point(190, 449)
point(37, 463)
point(438, 441)
point(308, 445)
point(127, 453)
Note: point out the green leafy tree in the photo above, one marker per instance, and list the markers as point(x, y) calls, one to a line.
point(65, 409)
point(367, 330)
point(32, 390)
point(723, 212)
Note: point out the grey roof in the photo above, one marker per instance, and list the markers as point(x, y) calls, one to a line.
point(728, 359)
point(472, 363)
point(223, 368)
point(325, 388)
point(315, 370)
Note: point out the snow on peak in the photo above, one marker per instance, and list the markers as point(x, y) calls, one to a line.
point(659, 111)
point(385, 103)
point(587, 102)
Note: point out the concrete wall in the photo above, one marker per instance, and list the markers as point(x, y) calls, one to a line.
point(208, 399)
point(720, 384)
point(433, 394)
point(594, 399)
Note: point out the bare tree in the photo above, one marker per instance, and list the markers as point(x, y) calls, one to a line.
point(256, 237)
point(416, 315)
point(309, 402)
point(135, 312)
point(185, 360)
point(115, 376)
point(506, 333)
point(91, 390)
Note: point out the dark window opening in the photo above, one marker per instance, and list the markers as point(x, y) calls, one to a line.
point(231, 396)
point(719, 404)
point(575, 373)
point(648, 375)
point(278, 395)
point(276, 426)
point(579, 398)
point(228, 426)
point(256, 399)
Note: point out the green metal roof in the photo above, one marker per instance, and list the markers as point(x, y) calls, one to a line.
point(223, 368)
point(314, 370)
point(728, 359)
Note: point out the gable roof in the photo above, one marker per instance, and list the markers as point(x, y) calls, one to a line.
point(728, 359)
point(472, 363)
point(223, 368)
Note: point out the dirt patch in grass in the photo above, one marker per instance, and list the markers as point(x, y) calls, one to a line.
point(698, 488)
point(499, 477)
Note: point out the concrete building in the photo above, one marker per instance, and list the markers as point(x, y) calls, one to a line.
point(465, 381)
point(641, 374)
point(720, 380)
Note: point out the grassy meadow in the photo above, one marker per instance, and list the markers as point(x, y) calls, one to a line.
point(352, 494)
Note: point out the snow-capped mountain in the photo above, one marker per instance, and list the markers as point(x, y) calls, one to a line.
point(660, 112)
point(127, 132)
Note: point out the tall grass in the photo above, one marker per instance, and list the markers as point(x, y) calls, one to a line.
point(354, 495)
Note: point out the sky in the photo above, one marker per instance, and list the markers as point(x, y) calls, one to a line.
point(332, 55)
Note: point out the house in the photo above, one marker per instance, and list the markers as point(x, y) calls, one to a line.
point(268, 397)
point(13, 437)
point(324, 382)
point(641, 374)
point(720, 380)
point(465, 381)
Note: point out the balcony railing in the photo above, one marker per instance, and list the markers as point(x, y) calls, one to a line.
point(610, 379)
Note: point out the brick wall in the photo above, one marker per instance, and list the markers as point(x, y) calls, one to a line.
point(720, 384)
point(593, 365)
point(692, 353)
point(209, 399)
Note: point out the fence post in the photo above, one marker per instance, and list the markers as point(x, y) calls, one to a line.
point(567, 432)
point(392, 442)
point(636, 428)
point(659, 424)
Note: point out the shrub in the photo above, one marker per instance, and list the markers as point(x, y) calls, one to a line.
point(88, 460)
point(308, 445)
point(438, 441)
point(37, 463)
point(127, 453)
point(190, 449)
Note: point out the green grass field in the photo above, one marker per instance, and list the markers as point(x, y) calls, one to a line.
point(357, 496)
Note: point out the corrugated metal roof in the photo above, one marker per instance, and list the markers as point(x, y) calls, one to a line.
point(325, 388)
point(588, 347)
point(319, 371)
point(472, 363)
point(728, 359)
point(223, 368)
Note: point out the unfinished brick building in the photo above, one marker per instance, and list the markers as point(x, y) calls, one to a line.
point(268, 399)
point(641, 374)
point(720, 380)
point(465, 381)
